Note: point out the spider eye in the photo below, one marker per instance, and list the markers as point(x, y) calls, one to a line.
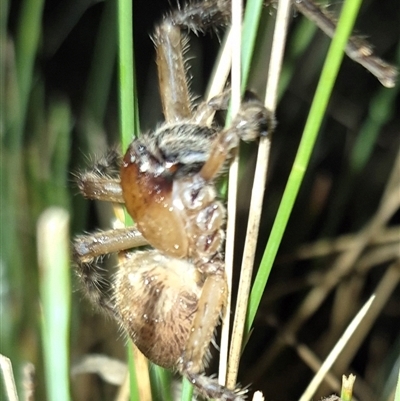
point(141, 149)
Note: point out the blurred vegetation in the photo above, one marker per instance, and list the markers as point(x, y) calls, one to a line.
point(59, 108)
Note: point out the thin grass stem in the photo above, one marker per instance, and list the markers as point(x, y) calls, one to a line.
point(237, 11)
point(397, 393)
point(257, 195)
point(8, 378)
point(317, 379)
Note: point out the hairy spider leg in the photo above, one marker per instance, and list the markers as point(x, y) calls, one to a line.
point(170, 47)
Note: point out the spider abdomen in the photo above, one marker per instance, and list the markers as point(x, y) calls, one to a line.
point(171, 289)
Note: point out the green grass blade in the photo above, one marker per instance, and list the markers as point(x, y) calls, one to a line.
point(251, 21)
point(381, 109)
point(128, 115)
point(318, 107)
point(187, 390)
point(26, 46)
point(55, 289)
point(133, 379)
point(102, 65)
point(302, 36)
point(160, 380)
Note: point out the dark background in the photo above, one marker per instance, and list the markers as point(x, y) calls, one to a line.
point(335, 198)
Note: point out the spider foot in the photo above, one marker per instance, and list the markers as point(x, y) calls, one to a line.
point(253, 120)
point(202, 16)
point(210, 388)
point(102, 180)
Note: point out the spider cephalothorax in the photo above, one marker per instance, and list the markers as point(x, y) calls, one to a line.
point(170, 298)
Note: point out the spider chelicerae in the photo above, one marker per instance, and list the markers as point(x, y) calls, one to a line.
point(169, 298)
